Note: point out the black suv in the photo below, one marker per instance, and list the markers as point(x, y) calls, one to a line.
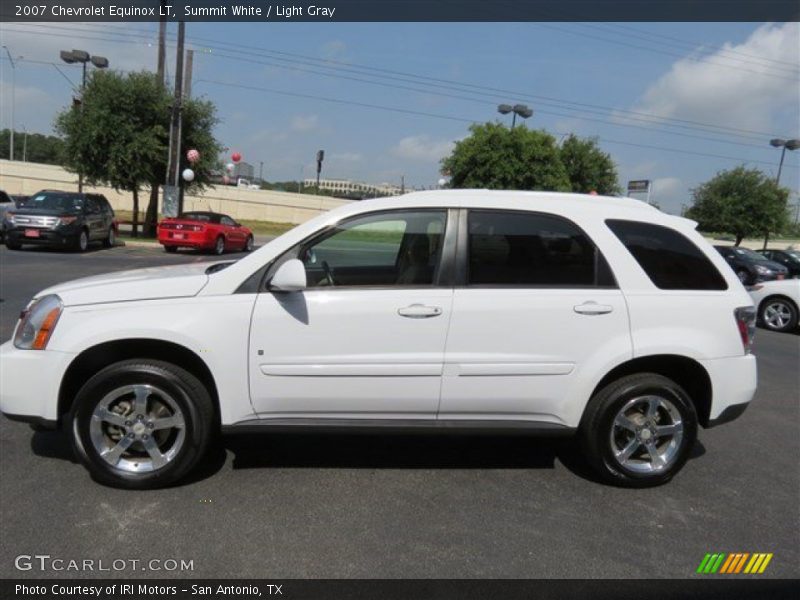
point(62, 220)
point(788, 258)
point(750, 266)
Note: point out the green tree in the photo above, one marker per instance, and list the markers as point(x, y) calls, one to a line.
point(588, 167)
point(32, 147)
point(744, 202)
point(119, 134)
point(496, 157)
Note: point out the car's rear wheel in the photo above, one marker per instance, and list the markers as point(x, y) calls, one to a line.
point(778, 314)
point(141, 424)
point(219, 246)
point(170, 248)
point(638, 431)
point(12, 245)
point(248, 245)
point(111, 238)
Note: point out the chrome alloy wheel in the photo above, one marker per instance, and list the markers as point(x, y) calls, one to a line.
point(777, 315)
point(137, 428)
point(646, 435)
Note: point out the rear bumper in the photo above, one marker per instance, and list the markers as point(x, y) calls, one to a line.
point(189, 240)
point(733, 384)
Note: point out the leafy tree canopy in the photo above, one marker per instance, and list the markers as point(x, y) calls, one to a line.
point(496, 157)
point(588, 167)
point(741, 201)
point(31, 147)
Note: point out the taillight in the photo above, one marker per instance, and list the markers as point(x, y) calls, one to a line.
point(746, 322)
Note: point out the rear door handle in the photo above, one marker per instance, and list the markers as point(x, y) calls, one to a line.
point(419, 311)
point(593, 308)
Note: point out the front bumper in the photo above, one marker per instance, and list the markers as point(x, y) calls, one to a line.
point(61, 237)
point(30, 382)
point(733, 384)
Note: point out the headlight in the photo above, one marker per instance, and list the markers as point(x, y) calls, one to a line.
point(763, 270)
point(37, 322)
point(66, 220)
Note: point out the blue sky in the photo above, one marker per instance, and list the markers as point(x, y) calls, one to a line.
point(628, 84)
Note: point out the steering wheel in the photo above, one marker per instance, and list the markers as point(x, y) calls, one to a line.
point(328, 273)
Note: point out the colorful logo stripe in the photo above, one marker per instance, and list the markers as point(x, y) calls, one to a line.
point(734, 563)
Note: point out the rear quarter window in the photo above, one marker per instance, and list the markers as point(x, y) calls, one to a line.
point(670, 259)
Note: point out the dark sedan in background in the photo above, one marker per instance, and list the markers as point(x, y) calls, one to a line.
point(750, 267)
point(788, 258)
point(60, 219)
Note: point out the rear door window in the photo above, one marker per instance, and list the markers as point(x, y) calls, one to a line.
point(670, 259)
point(514, 248)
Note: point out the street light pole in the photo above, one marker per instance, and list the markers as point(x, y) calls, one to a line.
point(13, 94)
point(83, 57)
point(784, 145)
point(518, 109)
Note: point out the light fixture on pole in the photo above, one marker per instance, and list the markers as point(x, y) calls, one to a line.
point(518, 109)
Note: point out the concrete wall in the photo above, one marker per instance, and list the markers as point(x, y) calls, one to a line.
point(18, 177)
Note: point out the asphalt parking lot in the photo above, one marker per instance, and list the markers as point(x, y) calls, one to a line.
point(403, 506)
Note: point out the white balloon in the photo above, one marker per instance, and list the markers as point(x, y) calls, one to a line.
point(230, 166)
point(188, 175)
point(442, 182)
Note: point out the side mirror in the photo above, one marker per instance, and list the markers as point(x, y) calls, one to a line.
point(290, 277)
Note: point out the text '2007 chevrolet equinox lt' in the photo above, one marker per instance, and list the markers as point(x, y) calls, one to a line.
point(449, 311)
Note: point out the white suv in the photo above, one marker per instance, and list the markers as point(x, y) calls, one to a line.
point(449, 311)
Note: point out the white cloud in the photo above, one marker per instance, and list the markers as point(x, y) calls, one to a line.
point(422, 148)
point(757, 94)
point(347, 156)
point(304, 122)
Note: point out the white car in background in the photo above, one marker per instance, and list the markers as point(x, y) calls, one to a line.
point(777, 303)
point(463, 310)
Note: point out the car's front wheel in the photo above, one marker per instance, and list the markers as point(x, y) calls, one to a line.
point(141, 424)
point(778, 314)
point(248, 245)
point(638, 431)
point(82, 241)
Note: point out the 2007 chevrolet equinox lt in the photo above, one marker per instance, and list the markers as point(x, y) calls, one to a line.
point(450, 310)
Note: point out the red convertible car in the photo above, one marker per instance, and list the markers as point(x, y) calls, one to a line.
point(204, 231)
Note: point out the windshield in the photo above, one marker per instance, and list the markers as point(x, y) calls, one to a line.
point(55, 201)
point(197, 216)
point(747, 253)
point(795, 254)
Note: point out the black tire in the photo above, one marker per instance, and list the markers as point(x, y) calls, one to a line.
point(744, 277)
point(111, 239)
point(219, 246)
point(248, 245)
point(81, 242)
point(170, 249)
point(12, 245)
point(598, 420)
point(783, 322)
point(189, 394)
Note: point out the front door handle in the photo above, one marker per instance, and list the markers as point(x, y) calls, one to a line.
point(419, 311)
point(593, 308)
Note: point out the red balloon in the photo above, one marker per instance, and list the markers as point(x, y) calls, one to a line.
point(236, 157)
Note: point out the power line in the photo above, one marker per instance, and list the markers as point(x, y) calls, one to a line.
point(639, 116)
point(466, 120)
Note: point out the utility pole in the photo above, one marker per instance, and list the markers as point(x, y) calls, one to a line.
point(151, 215)
point(13, 93)
point(402, 184)
point(173, 169)
point(188, 76)
point(261, 172)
